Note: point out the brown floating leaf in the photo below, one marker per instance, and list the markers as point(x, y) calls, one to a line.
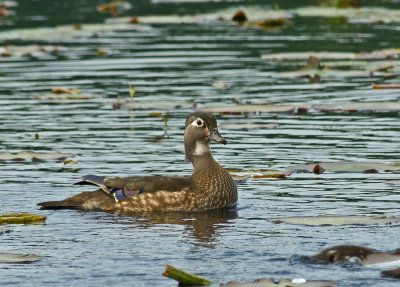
point(366, 167)
point(260, 173)
point(4, 12)
point(64, 90)
point(184, 277)
point(77, 26)
point(63, 97)
point(318, 169)
point(114, 8)
point(385, 86)
point(19, 258)
point(133, 20)
point(269, 282)
point(336, 220)
point(34, 156)
point(271, 23)
point(73, 161)
point(21, 218)
point(239, 17)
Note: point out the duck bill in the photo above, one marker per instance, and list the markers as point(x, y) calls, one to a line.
point(216, 136)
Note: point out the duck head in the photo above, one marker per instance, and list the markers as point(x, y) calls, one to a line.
point(200, 129)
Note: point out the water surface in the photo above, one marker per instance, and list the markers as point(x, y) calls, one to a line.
point(175, 62)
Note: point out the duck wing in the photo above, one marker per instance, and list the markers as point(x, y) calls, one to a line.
point(122, 187)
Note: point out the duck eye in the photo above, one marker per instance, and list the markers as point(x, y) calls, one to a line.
point(199, 122)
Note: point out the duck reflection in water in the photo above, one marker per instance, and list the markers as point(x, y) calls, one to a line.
point(201, 226)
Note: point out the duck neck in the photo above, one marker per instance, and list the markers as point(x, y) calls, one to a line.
point(203, 163)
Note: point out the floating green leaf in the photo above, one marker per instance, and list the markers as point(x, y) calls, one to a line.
point(367, 167)
point(34, 156)
point(184, 277)
point(336, 220)
point(19, 258)
point(269, 282)
point(22, 218)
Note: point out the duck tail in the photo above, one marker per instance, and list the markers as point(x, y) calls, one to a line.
point(90, 200)
point(60, 204)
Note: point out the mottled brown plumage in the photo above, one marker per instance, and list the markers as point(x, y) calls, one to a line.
point(209, 187)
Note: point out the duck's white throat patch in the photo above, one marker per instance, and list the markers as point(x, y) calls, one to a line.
point(201, 148)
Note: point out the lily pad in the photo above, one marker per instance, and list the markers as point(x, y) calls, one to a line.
point(354, 15)
point(336, 220)
point(115, 8)
point(269, 282)
point(19, 258)
point(366, 167)
point(255, 13)
point(325, 55)
point(34, 156)
point(27, 50)
point(359, 107)
point(248, 126)
point(270, 24)
point(156, 104)
point(62, 32)
point(385, 86)
point(307, 55)
point(260, 173)
point(331, 73)
point(66, 96)
point(393, 182)
point(23, 218)
point(253, 108)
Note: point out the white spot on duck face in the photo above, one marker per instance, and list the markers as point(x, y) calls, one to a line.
point(201, 148)
point(198, 122)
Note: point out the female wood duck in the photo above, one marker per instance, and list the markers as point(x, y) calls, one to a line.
point(209, 187)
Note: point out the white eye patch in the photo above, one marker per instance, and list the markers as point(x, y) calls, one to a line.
point(198, 122)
